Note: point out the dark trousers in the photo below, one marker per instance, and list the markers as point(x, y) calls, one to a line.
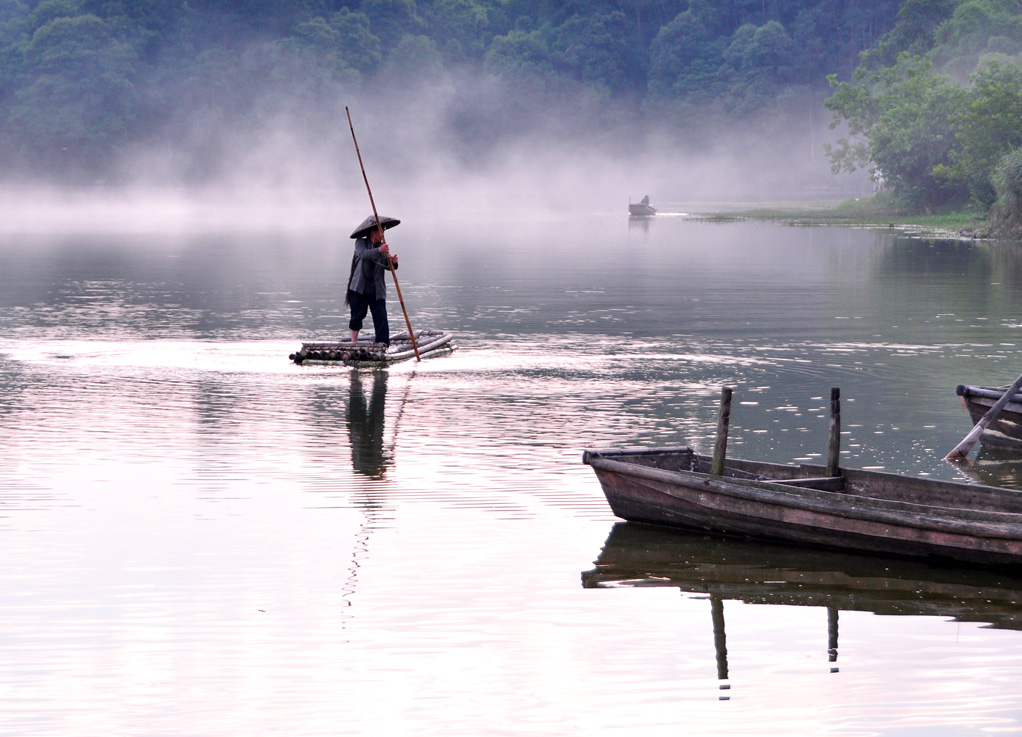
point(361, 304)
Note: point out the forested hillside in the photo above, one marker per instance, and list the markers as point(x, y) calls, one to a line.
point(120, 89)
point(175, 90)
point(934, 110)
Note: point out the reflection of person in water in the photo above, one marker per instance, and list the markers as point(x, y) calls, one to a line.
point(365, 425)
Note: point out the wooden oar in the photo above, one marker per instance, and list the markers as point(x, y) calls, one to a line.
point(962, 449)
point(383, 240)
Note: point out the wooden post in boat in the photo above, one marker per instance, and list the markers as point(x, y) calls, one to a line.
point(962, 449)
point(723, 423)
point(834, 446)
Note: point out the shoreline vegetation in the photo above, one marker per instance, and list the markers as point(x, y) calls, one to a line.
point(867, 212)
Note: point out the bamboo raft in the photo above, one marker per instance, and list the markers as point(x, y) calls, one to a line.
point(365, 352)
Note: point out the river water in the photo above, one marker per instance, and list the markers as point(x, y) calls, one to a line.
point(200, 538)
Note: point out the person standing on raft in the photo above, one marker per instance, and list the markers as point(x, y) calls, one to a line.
point(367, 285)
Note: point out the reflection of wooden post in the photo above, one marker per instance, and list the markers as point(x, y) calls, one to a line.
point(834, 448)
point(719, 641)
point(832, 636)
point(723, 422)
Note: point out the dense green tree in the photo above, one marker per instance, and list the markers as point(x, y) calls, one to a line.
point(936, 137)
point(974, 28)
point(416, 63)
point(342, 44)
point(685, 60)
point(391, 20)
point(14, 28)
point(600, 51)
point(1008, 183)
point(829, 35)
point(913, 34)
point(188, 75)
point(899, 124)
point(76, 88)
point(518, 55)
point(759, 60)
point(987, 126)
point(459, 28)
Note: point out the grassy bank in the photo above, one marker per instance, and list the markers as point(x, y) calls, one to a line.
point(863, 212)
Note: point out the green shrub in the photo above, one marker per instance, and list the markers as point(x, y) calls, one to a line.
point(1008, 185)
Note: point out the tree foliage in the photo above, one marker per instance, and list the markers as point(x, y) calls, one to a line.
point(82, 81)
point(987, 124)
point(935, 121)
point(1008, 183)
point(75, 89)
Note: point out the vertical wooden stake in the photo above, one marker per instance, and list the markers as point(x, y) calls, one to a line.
point(834, 447)
point(723, 423)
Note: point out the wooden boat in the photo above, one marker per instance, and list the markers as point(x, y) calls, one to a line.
point(766, 573)
point(641, 210)
point(855, 510)
point(1005, 430)
point(365, 352)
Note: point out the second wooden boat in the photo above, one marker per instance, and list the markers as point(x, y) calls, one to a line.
point(1005, 430)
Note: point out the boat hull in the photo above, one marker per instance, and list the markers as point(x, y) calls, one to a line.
point(641, 211)
point(858, 510)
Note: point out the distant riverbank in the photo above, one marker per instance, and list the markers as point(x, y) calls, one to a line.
point(863, 212)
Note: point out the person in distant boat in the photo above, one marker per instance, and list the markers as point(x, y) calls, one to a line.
point(367, 285)
point(645, 200)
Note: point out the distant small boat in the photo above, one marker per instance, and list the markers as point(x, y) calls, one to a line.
point(641, 209)
point(1005, 430)
point(430, 344)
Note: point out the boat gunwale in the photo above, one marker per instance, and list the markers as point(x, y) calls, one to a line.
point(849, 505)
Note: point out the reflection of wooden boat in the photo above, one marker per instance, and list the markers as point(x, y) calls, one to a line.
point(641, 210)
point(1005, 430)
point(855, 510)
point(765, 573)
point(365, 352)
point(995, 467)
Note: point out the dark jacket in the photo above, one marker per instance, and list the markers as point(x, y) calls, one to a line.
point(368, 266)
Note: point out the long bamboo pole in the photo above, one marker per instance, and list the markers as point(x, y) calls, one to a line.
point(383, 239)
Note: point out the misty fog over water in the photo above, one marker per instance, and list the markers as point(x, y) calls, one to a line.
point(201, 538)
